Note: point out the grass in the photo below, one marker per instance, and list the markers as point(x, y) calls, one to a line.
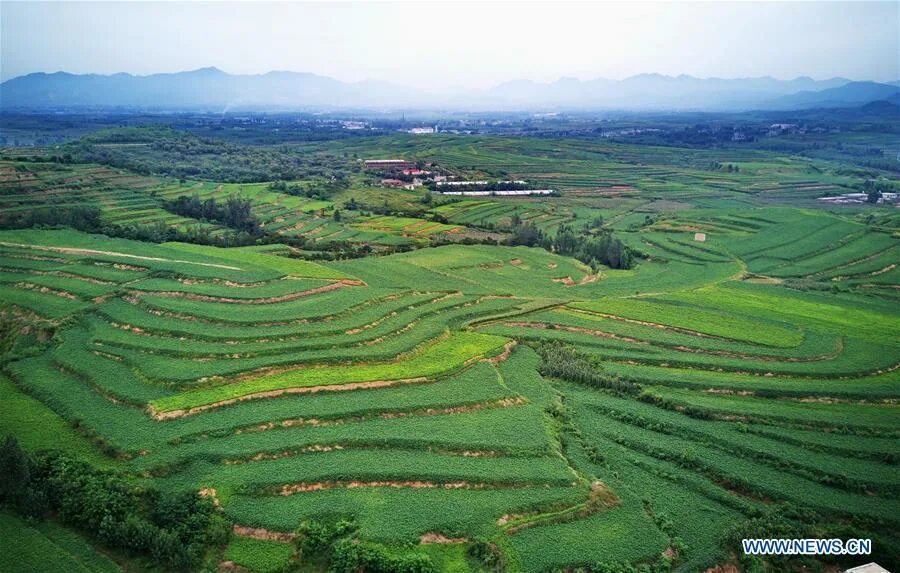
point(259, 555)
point(440, 358)
point(264, 257)
point(47, 547)
point(761, 362)
point(38, 428)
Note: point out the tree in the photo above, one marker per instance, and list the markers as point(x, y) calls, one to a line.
point(527, 235)
point(337, 215)
point(14, 469)
point(873, 196)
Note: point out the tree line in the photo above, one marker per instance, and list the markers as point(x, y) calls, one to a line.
point(174, 532)
point(593, 250)
point(235, 213)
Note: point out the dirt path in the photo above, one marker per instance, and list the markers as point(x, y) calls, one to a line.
point(74, 251)
point(274, 393)
point(267, 300)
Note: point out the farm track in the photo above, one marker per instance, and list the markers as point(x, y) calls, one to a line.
point(81, 251)
point(264, 300)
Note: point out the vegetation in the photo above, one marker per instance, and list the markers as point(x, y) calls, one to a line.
point(683, 349)
point(173, 531)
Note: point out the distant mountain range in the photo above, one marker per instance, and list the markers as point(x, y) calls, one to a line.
point(212, 89)
point(848, 95)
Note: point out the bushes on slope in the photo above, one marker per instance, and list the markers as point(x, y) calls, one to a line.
point(173, 531)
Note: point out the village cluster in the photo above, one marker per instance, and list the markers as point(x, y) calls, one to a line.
point(407, 174)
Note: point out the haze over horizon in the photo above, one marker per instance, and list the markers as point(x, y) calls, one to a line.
point(441, 47)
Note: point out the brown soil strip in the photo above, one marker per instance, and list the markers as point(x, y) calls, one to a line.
point(589, 278)
point(262, 534)
point(389, 415)
point(886, 269)
point(273, 393)
point(564, 280)
point(507, 349)
point(291, 489)
point(322, 448)
point(45, 290)
point(428, 538)
point(267, 300)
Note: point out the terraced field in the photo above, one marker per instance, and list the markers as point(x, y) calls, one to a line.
point(128, 200)
point(123, 198)
point(470, 403)
point(392, 391)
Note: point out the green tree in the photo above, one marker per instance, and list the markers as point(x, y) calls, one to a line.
point(14, 469)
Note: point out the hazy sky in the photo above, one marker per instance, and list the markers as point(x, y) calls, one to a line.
point(458, 45)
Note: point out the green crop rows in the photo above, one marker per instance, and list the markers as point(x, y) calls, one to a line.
point(568, 415)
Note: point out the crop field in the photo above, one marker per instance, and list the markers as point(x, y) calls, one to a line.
point(465, 400)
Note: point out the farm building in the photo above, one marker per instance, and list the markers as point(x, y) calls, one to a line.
point(517, 193)
point(389, 164)
point(393, 182)
point(460, 183)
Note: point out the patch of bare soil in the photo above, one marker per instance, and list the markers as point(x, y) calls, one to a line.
point(211, 494)
point(564, 280)
point(263, 534)
point(124, 267)
point(589, 278)
point(494, 265)
point(515, 262)
point(428, 538)
point(507, 349)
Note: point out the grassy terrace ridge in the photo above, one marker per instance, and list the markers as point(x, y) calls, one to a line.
point(696, 319)
point(440, 358)
point(266, 257)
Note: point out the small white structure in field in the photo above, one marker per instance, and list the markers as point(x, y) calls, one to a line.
point(700, 237)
